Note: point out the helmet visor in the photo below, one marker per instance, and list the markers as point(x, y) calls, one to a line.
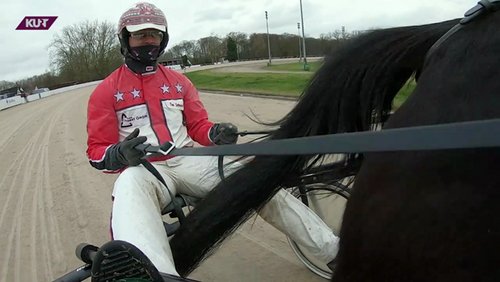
point(134, 28)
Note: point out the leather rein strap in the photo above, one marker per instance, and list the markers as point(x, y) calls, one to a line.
point(462, 135)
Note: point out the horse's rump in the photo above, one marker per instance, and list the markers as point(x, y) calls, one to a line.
point(433, 216)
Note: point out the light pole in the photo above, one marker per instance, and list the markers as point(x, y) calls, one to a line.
point(306, 66)
point(300, 47)
point(268, 44)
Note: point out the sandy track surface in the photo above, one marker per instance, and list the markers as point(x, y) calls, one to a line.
point(51, 199)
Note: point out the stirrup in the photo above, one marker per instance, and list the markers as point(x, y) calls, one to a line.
point(120, 260)
point(332, 264)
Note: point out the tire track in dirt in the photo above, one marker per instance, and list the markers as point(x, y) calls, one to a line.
point(33, 210)
point(69, 177)
point(12, 174)
point(44, 205)
point(37, 219)
point(18, 157)
point(15, 208)
point(36, 206)
point(50, 249)
point(23, 116)
point(45, 220)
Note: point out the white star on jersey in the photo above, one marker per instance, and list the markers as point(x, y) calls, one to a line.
point(136, 93)
point(178, 87)
point(119, 96)
point(165, 88)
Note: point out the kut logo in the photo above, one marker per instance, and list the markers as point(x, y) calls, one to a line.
point(36, 23)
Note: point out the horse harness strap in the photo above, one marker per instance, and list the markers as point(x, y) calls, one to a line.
point(462, 135)
point(220, 167)
point(176, 205)
point(483, 7)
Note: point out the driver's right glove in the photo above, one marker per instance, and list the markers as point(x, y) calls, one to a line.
point(223, 134)
point(124, 153)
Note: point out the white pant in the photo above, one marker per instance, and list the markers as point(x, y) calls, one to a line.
point(139, 198)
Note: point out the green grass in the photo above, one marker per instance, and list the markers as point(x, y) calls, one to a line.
point(267, 83)
point(403, 94)
point(283, 84)
point(296, 67)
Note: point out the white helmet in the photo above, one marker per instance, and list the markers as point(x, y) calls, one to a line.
point(141, 16)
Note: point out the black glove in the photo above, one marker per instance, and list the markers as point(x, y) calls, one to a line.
point(127, 153)
point(122, 154)
point(223, 133)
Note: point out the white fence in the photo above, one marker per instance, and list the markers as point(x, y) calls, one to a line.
point(11, 102)
point(33, 97)
point(17, 100)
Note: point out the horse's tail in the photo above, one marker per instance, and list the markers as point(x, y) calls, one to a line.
point(352, 91)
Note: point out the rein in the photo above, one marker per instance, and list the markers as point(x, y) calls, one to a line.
point(220, 160)
point(460, 135)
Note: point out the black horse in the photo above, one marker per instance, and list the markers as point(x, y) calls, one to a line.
point(414, 215)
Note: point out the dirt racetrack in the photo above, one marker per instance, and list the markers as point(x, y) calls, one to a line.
point(51, 199)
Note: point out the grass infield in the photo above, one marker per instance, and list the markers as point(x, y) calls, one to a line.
point(289, 81)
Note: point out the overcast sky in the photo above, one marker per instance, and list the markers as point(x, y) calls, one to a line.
point(25, 53)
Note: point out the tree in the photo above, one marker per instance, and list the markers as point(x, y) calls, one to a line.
point(175, 52)
point(211, 48)
point(47, 79)
point(189, 48)
point(242, 44)
point(6, 84)
point(232, 51)
point(258, 46)
point(86, 51)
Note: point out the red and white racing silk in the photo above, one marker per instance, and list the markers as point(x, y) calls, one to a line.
point(164, 105)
